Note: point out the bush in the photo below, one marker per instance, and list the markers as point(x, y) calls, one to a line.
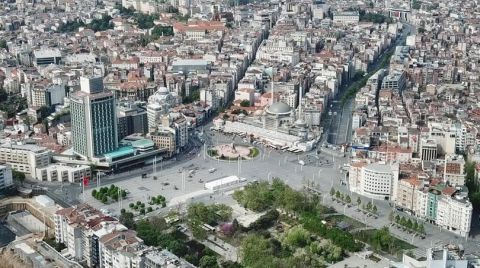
point(245, 103)
point(266, 221)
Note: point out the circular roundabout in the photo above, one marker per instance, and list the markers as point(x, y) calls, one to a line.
point(233, 152)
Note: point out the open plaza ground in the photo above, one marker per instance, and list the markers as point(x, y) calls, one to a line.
point(323, 172)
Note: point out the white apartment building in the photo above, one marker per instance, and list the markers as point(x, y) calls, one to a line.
point(454, 213)
point(464, 137)
point(278, 50)
point(5, 177)
point(159, 103)
point(76, 227)
point(25, 158)
point(375, 180)
point(63, 173)
point(421, 199)
point(164, 258)
point(454, 170)
point(245, 94)
point(121, 249)
point(445, 137)
point(47, 95)
point(209, 97)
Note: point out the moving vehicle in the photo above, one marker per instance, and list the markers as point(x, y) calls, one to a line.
point(212, 170)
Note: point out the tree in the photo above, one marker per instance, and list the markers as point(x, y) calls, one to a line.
point(254, 248)
point(143, 40)
point(245, 103)
point(348, 200)
point(403, 221)
point(127, 219)
point(158, 223)
point(369, 206)
point(94, 193)
point(104, 199)
point(391, 216)
point(3, 43)
point(201, 213)
point(397, 219)
point(332, 192)
point(142, 211)
point(359, 201)
point(416, 4)
point(101, 24)
point(337, 194)
point(160, 30)
point(198, 232)
point(124, 193)
point(131, 205)
point(415, 225)
point(149, 209)
point(18, 176)
point(177, 248)
point(409, 224)
point(296, 236)
point(222, 211)
point(374, 209)
point(421, 229)
point(208, 262)
point(122, 211)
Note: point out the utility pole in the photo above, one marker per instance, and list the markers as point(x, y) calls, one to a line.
point(155, 165)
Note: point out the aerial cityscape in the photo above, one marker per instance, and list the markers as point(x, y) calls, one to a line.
point(239, 133)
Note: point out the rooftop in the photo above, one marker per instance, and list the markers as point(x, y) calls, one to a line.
point(122, 151)
point(279, 108)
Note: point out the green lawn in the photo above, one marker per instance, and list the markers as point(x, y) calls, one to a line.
point(334, 219)
point(253, 152)
point(383, 242)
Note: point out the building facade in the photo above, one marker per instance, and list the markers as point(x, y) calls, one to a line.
point(25, 158)
point(6, 180)
point(94, 120)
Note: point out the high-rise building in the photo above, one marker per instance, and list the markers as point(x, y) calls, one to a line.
point(94, 119)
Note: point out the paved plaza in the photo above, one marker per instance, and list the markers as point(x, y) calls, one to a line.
point(324, 172)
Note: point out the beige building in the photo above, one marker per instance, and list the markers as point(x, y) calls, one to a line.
point(406, 193)
point(453, 170)
point(164, 138)
point(25, 158)
point(63, 173)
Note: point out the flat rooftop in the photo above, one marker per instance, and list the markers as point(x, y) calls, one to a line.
point(122, 151)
